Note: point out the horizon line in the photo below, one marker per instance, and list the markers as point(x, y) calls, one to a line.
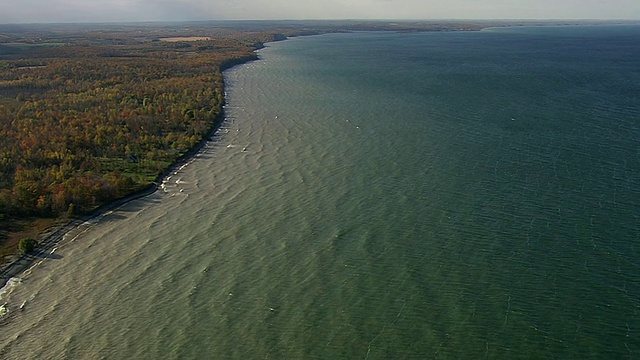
point(329, 20)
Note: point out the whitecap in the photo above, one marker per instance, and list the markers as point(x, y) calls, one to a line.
point(11, 284)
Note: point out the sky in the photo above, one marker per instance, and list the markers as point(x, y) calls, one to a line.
point(50, 11)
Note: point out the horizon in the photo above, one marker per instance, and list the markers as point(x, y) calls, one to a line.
point(136, 11)
point(572, 21)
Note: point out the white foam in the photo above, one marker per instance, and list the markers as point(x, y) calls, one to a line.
point(11, 284)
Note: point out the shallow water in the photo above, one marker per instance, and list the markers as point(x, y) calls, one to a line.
point(376, 195)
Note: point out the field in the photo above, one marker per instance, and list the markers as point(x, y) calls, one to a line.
point(185, 38)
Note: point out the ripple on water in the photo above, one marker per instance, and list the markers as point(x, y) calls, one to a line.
point(434, 215)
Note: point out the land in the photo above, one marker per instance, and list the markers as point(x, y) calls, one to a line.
point(94, 115)
point(186, 38)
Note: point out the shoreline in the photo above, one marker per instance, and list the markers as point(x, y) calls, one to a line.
point(45, 246)
point(43, 249)
point(48, 242)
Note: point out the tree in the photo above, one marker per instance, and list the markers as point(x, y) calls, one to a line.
point(26, 245)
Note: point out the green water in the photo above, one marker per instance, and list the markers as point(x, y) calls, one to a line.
point(376, 196)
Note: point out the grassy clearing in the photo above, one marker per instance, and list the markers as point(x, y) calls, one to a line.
point(185, 38)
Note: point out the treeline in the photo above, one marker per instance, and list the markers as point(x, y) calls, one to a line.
point(82, 125)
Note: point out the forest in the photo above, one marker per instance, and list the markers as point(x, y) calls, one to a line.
point(88, 116)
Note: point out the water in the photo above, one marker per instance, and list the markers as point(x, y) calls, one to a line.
point(376, 196)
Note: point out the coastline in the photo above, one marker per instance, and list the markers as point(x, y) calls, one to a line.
point(301, 245)
point(48, 243)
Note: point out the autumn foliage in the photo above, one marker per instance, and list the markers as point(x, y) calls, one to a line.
point(88, 122)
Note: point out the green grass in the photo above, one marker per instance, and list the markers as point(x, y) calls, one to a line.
point(142, 172)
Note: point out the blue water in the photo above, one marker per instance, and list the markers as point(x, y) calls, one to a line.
point(455, 195)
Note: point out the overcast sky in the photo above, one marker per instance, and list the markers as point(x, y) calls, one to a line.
point(29, 11)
